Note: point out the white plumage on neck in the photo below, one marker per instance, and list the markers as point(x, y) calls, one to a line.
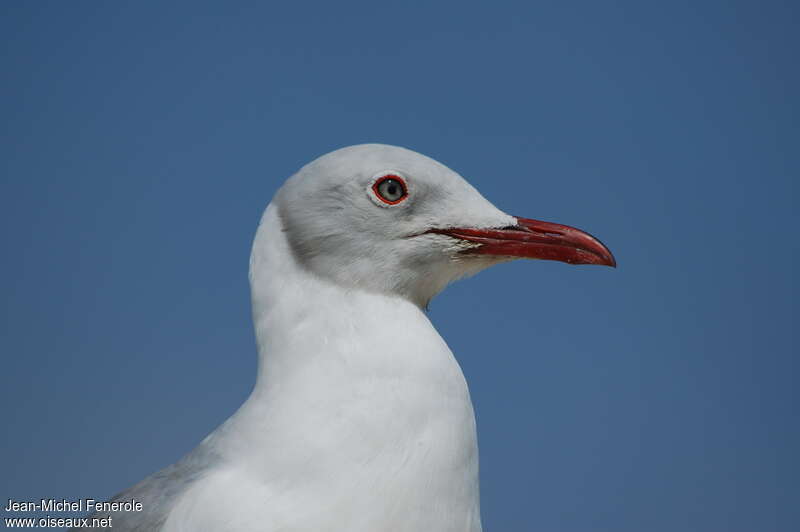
point(360, 419)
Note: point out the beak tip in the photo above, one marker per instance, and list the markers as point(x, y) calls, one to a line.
point(604, 261)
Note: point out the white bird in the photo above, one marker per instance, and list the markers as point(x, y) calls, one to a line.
point(360, 419)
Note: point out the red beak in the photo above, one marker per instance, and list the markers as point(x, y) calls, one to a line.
point(534, 239)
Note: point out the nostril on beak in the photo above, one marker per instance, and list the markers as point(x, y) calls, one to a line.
point(513, 228)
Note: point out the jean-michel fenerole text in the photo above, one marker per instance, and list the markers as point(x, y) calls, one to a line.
point(78, 505)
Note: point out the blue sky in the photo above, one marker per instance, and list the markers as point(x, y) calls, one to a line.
point(141, 142)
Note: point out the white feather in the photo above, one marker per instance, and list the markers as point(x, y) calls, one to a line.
point(360, 418)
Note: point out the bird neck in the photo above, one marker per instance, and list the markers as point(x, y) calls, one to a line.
point(352, 385)
point(305, 323)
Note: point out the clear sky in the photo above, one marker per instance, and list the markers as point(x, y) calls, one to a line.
point(142, 140)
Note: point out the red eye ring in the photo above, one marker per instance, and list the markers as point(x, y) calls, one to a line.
point(383, 190)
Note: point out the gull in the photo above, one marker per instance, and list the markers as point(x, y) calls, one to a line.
point(360, 418)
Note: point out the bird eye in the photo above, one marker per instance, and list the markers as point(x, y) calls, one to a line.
point(390, 189)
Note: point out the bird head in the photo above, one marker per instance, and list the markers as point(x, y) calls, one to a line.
point(387, 219)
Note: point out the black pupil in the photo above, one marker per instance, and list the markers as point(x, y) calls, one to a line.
point(391, 190)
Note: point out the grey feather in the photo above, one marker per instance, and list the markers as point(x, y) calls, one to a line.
point(158, 493)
